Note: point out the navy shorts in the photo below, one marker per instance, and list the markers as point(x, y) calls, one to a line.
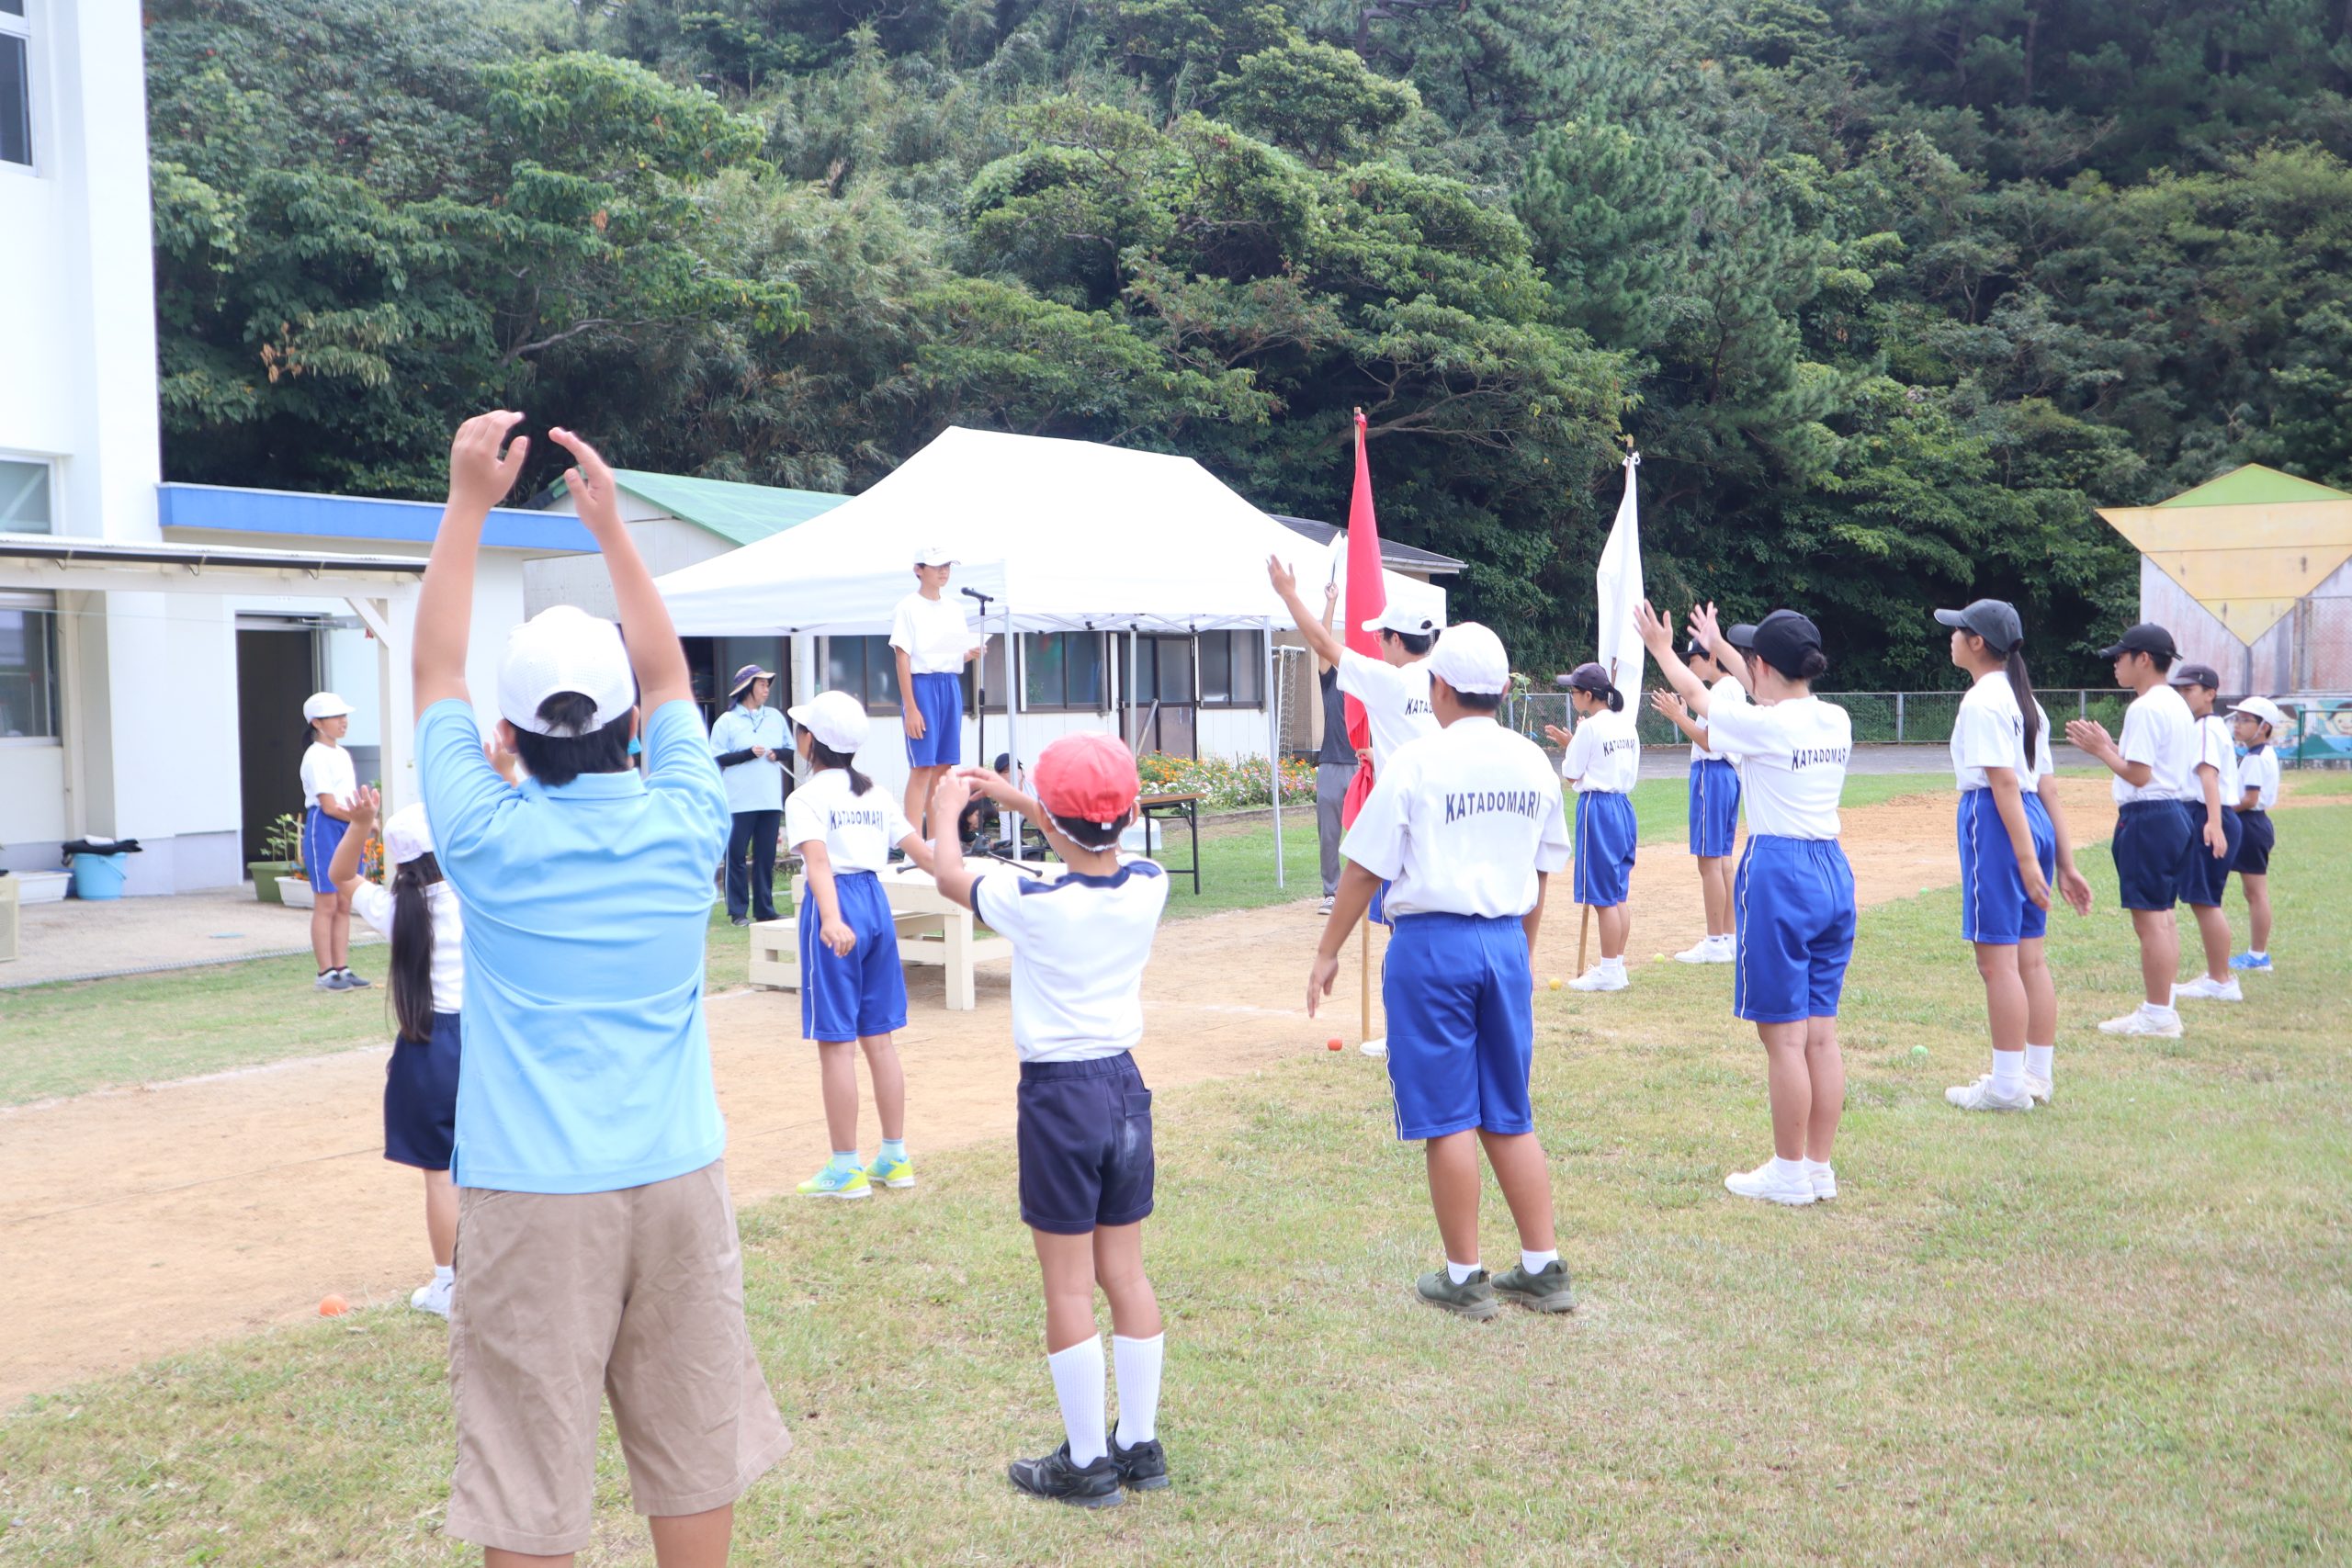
point(1461, 1024)
point(2203, 875)
point(863, 994)
point(1993, 910)
point(1715, 808)
point(2259, 837)
point(320, 834)
point(1606, 835)
point(421, 1098)
point(940, 699)
point(1084, 1134)
point(2151, 844)
point(1793, 901)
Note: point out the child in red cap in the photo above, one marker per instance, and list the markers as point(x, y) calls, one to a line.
point(1079, 945)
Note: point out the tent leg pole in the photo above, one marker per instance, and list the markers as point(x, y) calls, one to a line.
point(1012, 717)
point(1274, 756)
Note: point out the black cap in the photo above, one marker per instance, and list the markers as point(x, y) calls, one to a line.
point(1994, 620)
point(2145, 637)
point(2203, 675)
point(1781, 639)
point(1589, 678)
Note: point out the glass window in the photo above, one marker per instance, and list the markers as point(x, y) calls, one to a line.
point(15, 85)
point(1166, 672)
point(1062, 669)
point(27, 668)
point(989, 667)
point(1232, 669)
point(24, 496)
point(864, 667)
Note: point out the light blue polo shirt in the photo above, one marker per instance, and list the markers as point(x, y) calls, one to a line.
point(586, 1067)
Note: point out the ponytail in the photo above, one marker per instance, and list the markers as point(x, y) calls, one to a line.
point(1616, 700)
point(825, 756)
point(412, 967)
point(2021, 684)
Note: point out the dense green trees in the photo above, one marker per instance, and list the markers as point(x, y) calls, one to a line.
point(1890, 292)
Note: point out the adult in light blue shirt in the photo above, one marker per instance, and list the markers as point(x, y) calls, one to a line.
point(750, 745)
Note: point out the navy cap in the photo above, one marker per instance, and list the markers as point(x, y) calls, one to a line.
point(2146, 637)
point(1588, 678)
point(1781, 639)
point(2203, 675)
point(1994, 620)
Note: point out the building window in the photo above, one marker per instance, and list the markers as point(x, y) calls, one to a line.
point(24, 493)
point(1233, 670)
point(864, 667)
point(28, 666)
point(1062, 670)
point(15, 85)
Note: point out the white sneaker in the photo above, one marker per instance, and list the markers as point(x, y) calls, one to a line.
point(1763, 1184)
point(1726, 948)
point(1824, 1180)
point(433, 1296)
point(2205, 988)
point(1378, 1047)
point(1324, 907)
point(1982, 1096)
point(2039, 1088)
point(1702, 952)
point(2154, 1023)
point(1603, 977)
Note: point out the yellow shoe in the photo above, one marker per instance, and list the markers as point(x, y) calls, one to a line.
point(887, 1172)
point(838, 1179)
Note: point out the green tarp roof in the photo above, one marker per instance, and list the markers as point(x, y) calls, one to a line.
point(740, 513)
point(2254, 485)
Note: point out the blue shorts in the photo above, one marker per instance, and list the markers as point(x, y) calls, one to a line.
point(1084, 1134)
point(421, 1098)
point(2203, 875)
point(1715, 808)
point(1606, 835)
point(865, 993)
point(1793, 900)
point(1378, 913)
point(1461, 1024)
point(2257, 837)
point(2152, 842)
point(320, 834)
point(941, 700)
point(1994, 909)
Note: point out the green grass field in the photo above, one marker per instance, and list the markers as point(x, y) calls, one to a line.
point(2109, 1330)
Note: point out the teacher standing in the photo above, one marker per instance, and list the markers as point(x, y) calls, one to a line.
point(750, 744)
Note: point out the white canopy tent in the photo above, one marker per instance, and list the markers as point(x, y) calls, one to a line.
point(1049, 536)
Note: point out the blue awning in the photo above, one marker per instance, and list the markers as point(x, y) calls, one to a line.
point(231, 510)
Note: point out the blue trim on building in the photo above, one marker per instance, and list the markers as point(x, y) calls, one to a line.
point(226, 509)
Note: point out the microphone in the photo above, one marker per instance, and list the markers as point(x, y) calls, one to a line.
point(975, 593)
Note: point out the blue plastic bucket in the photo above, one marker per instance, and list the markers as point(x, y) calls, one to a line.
point(100, 876)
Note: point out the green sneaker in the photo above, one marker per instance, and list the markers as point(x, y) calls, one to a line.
point(1545, 1291)
point(1473, 1298)
point(887, 1172)
point(838, 1181)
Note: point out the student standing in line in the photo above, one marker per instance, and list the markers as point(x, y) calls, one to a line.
point(2155, 832)
point(932, 642)
point(1793, 896)
point(329, 782)
point(1084, 1125)
point(2219, 836)
point(750, 743)
point(1393, 688)
point(1602, 763)
point(1713, 803)
point(1464, 827)
point(2257, 721)
point(852, 991)
point(418, 916)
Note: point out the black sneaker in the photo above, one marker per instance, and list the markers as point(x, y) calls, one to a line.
point(1474, 1298)
point(1093, 1485)
point(1143, 1467)
point(1548, 1291)
point(738, 920)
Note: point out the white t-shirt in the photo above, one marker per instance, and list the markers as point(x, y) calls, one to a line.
point(1079, 949)
point(327, 770)
point(934, 634)
point(373, 903)
point(1604, 755)
point(1725, 692)
point(1459, 823)
point(2259, 770)
point(1989, 732)
point(2158, 729)
point(2218, 749)
point(1395, 700)
point(857, 831)
point(1793, 764)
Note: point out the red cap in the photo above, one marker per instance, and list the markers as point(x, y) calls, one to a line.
point(1089, 776)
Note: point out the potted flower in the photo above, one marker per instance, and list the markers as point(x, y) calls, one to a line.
point(283, 844)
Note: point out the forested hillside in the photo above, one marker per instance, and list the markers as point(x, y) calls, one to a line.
point(1889, 292)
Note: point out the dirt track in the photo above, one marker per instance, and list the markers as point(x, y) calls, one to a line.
point(146, 1221)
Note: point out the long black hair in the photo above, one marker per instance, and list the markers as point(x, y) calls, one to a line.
point(412, 976)
point(825, 756)
point(2022, 684)
point(557, 760)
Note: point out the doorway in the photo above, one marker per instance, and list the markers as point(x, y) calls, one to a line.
point(1164, 696)
point(278, 669)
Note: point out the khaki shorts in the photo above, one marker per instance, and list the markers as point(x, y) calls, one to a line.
point(563, 1298)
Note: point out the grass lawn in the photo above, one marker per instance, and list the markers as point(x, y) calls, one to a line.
point(2110, 1330)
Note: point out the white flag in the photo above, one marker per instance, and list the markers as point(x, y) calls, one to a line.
point(1620, 583)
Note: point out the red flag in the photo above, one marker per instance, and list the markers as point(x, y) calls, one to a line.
point(1367, 596)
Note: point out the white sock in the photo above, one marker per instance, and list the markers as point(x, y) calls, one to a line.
point(1536, 1262)
point(443, 1273)
point(2009, 1073)
point(1816, 1167)
point(1137, 1361)
point(2160, 1009)
point(1078, 1384)
point(2038, 1060)
point(1616, 964)
point(1789, 1170)
point(2258, 952)
point(846, 1157)
point(1459, 1272)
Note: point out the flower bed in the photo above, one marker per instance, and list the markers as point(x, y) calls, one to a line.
point(1226, 783)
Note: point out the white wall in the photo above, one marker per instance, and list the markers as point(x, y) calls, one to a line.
point(667, 544)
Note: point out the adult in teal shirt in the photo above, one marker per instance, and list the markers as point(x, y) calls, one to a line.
point(750, 745)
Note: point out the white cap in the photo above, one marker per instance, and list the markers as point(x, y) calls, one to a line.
point(1469, 658)
point(934, 555)
point(1397, 619)
point(325, 705)
point(564, 648)
point(2266, 710)
point(407, 835)
point(835, 718)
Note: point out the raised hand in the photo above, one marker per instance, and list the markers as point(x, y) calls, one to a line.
point(590, 479)
point(1653, 632)
point(1285, 581)
point(1706, 627)
point(480, 475)
point(367, 803)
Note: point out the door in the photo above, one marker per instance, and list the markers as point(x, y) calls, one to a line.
point(276, 668)
point(1165, 699)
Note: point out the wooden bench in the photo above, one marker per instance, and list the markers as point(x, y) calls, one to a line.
point(948, 939)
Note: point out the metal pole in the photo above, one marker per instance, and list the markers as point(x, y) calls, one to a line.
point(1011, 713)
point(1898, 718)
point(1274, 754)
